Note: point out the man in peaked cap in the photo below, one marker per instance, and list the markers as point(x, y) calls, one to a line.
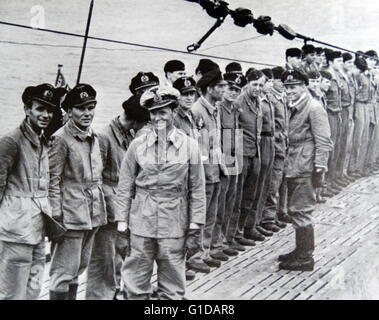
point(160, 202)
point(293, 59)
point(185, 120)
point(143, 81)
point(207, 117)
point(109, 248)
point(24, 180)
point(231, 143)
point(309, 56)
point(173, 70)
point(309, 147)
point(75, 191)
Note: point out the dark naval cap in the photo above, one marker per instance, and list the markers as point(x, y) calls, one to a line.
point(326, 74)
point(254, 74)
point(174, 65)
point(372, 54)
point(143, 80)
point(235, 79)
point(134, 111)
point(212, 77)
point(268, 73)
point(277, 72)
point(80, 95)
point(347, 56)
point(313, 75)
point(293, 52)
point(206, 65)
point(185, 84)
point(308, 49)
point(233, 67)
point(361, 63)
point(163, 96)
point(293, 77)
point(44, 93)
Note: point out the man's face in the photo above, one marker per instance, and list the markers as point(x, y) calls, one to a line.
point(295, 62)
point(348, 66)
point(173, 76)
point(268, 85)
point(231, 93)
point(83, 115)
point(310, 57)
point(187, 99)
point(314, 84)
point(278, 85)
point(217, 92)
point(323, 59)
point(371, 63)
point(162, 118)
point(295, 91)
point(256, 86)
point(325, 84)
point(337, 64)
point(39, 116)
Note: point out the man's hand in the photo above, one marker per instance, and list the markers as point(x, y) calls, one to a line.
point(122, 226)
point(193, 244)
point(318, 177)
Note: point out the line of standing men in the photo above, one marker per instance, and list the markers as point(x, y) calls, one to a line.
point(188, 175)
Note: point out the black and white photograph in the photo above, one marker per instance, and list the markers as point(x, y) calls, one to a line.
point(193, 150)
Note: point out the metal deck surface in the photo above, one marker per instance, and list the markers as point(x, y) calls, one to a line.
point(346, 256)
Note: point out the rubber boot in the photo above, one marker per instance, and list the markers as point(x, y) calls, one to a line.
point(304, 258)
point(58, 295)
point(72, 290)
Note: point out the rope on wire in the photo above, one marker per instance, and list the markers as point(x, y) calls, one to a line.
point(230, 43)
point(71, 46)
point(136, 44)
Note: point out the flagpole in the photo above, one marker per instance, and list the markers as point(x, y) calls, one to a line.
point(85, 42)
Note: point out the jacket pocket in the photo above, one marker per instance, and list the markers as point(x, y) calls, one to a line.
point(75, 207)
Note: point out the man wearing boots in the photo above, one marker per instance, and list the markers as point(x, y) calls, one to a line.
point(24, 180)
point(75, 191)
point(309, 147)
point(103, 280)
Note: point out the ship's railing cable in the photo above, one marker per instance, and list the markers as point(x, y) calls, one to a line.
point(243, 17)
point(136, 44)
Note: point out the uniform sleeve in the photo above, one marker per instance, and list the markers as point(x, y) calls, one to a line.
point(362, 88)
point(57, 160)
point(8, 156)
point(321, 134)
point(126, 185)
point(104, 148)
point(196, 187)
